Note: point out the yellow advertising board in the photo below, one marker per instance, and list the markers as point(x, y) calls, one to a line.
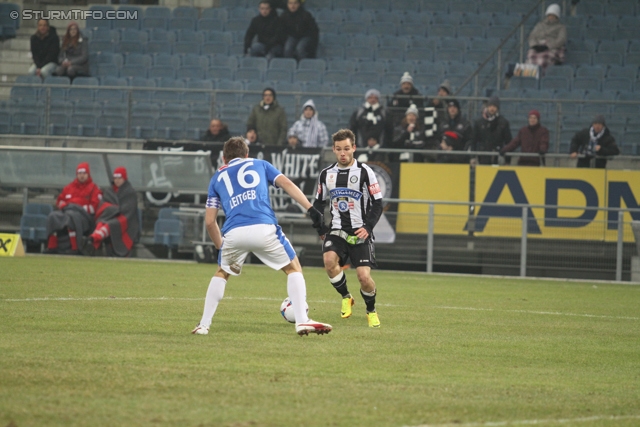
point(623, 191)
point(584, 190)
point(581, 188)
point(419, 181)
point(11, 245)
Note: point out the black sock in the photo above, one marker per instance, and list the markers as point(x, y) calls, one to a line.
point(341, 285)
point(369, 300)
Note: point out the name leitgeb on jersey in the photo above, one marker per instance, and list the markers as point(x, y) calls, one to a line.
point(241, 198)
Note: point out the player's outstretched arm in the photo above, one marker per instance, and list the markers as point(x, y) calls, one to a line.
point(292, 190)
point(212, 226)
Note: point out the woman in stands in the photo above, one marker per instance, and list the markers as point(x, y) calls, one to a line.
point(74, 54)
point(547, 40)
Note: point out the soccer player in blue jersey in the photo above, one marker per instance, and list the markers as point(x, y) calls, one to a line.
point(241, 189)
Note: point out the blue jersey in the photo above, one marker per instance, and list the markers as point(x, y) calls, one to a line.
point(241, 189)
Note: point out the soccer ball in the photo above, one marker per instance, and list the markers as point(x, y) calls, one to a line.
point(286, 309)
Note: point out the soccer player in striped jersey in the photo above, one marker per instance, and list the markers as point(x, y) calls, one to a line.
point(356, 205)
point(241, 189)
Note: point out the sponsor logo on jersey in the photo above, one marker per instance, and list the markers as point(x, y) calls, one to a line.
point(374, 188)
point(345, 192)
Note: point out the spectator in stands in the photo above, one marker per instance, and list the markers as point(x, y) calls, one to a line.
point(403, 98)
point(452, 141)
point(76, 205)
point(371, 121)
point(217, 132)
point(269, 119)
point(594, 142)
point(547, 40)
point(370, 151)
point(491, 132)
point(461, 127)
point(45, 48)
point(264, 37)
point(409, 134)
point(436, 102)
point(309, 131)
point(533, 138)
point(74, 54)
point(116, 218)
point(251, 137)
point(300, 31)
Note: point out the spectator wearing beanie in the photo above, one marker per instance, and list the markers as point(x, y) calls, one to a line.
point(491, 132)
point(116, 219)
point(403, 98)
point(453, 121)
point(371, 121)
point(439, 104)
point(533, 138)
point(594, 141)
point(452, 141)
point(269, 119)
point(409, 134)
point(547, 40)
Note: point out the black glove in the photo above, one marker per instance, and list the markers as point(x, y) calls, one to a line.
point(322, 230)
point(316, 217)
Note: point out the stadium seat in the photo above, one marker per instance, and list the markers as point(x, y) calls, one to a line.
point(247, 73)
point(279, 75)
point(82, 124)
point(168, 95)
point(134, 70)
point(168, 232)
point(112, 126)
point(191, 72)
point(551, 82)
point(170, 127)
point(587, 83)
point(305, 75)
point(33, 226)
point(312, 64)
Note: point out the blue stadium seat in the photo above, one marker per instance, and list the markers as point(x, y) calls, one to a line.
point(82, 124)
point(202, 97)
point(191, 72)
point(463, 6)
point(379, 5)
point(147, 109)
point(132, 11)
point(165, 95)
point(185, 12)
point(312, 64)
point(112, 126)
point(159, 71)
point(551, 82)
point(157, 12)
point(248, 73)
point(99, 23)
point(33, 227)
point(368, 78)
point(77, 92)
point(309, 75)
point(170, 127)
point(216, 73)
point(212, 48)
point(617, 84)
point(343, 65)
point(420, 54)
point(133, 71)
point(587, 83)
point(129, 46)
point(166, 60)
point(564, 70)
point(279, 75)
point(137, 59)
point(158, 47)
point(154, 22)
point(168, 232)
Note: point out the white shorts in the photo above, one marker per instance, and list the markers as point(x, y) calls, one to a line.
point(266, 241)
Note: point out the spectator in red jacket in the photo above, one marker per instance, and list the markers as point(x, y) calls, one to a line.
point(533, 138)
point(77, 206)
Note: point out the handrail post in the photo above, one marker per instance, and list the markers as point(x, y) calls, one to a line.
point(430, 239)
point(619, 246)
point(523, 242)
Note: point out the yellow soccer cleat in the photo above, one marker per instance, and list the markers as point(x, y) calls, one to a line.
point(374, 321)
point(347, 303)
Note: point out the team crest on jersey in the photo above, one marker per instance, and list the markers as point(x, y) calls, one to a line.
point(353, 179)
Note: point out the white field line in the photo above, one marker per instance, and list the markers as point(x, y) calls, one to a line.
point(537, 422)
point(114, 298)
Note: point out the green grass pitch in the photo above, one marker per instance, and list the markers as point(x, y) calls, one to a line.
point(99, 342)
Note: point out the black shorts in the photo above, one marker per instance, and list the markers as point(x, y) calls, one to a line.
point(362, 255)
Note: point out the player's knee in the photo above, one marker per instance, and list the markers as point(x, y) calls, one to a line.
point(363, 277)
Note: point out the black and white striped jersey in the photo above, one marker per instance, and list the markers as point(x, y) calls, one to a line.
point(352, 193)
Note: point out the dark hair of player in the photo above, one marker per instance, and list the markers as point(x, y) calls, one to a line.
point(343, 134)
point(235, 148)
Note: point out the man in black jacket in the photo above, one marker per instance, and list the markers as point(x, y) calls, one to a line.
point(301, 32)
point(266, 30)
point(594, 141)
point(403, 98)
point(491, 132)
point(45, 47)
